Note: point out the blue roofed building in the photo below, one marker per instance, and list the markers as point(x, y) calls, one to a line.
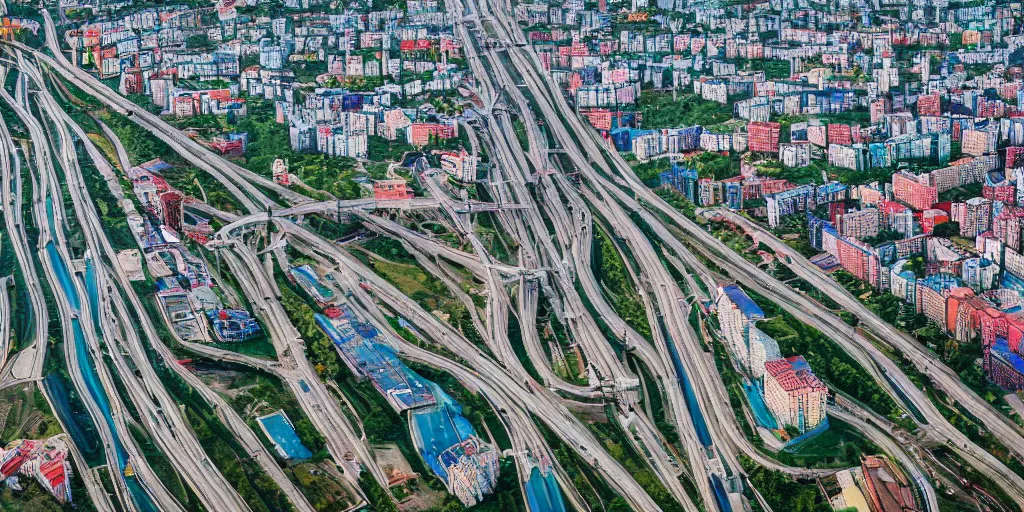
point(737, 314)
point(1005, 367)
point(233, 325)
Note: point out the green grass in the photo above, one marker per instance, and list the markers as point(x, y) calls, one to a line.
point(428, 291)
point(29, 416)
point(660, 110)
point(839, 445)
point(496, 240)
point(782, 492)
point(610, 269)
point(259, 346)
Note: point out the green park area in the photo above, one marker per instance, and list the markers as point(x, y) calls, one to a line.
point(663, 110)
point(617, 285)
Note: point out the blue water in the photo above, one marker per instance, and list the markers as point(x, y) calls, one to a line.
point(92, 289)
point(284, 437)
point(721, 496)
point(756, 399)
point(699, 424)
point(63, 276)
point(439, 428)
point(88, 371)
point(542, 492)
point(80, 426)
point(696, 415)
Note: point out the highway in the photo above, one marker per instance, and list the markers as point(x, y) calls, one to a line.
point(238, 426)
point(554, 261)
point(657, 360)
point(534, 399)
point(242, 183)
point(629, 186)
point(320, 406)
point(634, 187)
point(168, 426)
point(28, 366)
point(257, 284)
point(108, 424)
point(5, 319)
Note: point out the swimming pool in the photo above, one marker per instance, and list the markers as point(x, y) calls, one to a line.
point(282, 433)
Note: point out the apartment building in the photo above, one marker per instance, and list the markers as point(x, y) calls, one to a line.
point(737, 315)
point(763, 137)
point(794, 395)
point(974, 216)
point(908, 190)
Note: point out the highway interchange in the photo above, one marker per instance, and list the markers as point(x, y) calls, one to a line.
point(549, 214)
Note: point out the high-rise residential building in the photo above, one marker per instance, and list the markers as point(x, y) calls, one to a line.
point(978, 142)
point(710, 192)
point(737, 314)
point(974, 216)
point(880, 108)
point(763, 137)
point(170, 202)
point(839, 134)
point(908, 190)
point(859, 224)
point(852, 157)
point(460, 165)
point(794, 395)
point(795, 154)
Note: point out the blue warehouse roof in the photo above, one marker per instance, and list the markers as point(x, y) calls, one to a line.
point(748, 307)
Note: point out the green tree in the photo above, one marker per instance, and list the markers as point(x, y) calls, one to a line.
point(197, 41)
point(947, 229)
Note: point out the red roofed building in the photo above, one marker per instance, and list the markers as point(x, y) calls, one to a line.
point(993, 324)
point(888, 490)
point(840, 134)
point(931, 218)
point(419, 134)
point(15, 455)
point(929, 105)
point(857, 260)
point(774, 186)
point(391, 190)
point(963, 310)
point(794, 394)
point(228, 147)
point(600, 119)
point(1006, 193)
point(46, 461)
point(1013, 153)
point(53, 474)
